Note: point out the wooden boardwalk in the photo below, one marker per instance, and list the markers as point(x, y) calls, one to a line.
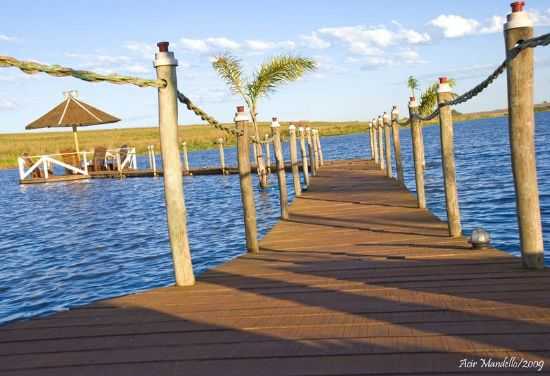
point(357, 282)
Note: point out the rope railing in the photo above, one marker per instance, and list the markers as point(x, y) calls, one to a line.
point(542, 40)
point(31, 67)
point(204, 116)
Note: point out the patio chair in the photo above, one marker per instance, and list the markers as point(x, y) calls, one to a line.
point(69, 156)
point(98, 161)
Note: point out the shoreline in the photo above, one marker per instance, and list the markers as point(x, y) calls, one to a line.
point(198, 137)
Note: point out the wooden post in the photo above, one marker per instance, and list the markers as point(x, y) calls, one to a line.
point(312, 162)
point(281, 174)
point(397, 145)
point(165, 63)
point(418, 154)
point(448, 159)
point(303, 152)
point(387, 130)
point(245, 180)
point(319, 147)
point(222, 156)
point(315, 149)
point(371, 138)
point(375, 141)
point(522, 138)
point(381, 156)
point(185, 156)
point(294, 160)
point(267, 154)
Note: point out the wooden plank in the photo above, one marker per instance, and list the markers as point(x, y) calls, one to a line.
point(357, 281)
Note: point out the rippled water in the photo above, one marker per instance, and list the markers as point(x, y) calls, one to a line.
point(68, 244)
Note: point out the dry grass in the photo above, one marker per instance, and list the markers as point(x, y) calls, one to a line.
point(197, 137)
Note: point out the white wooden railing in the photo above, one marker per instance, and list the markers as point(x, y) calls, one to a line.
point(46, 161)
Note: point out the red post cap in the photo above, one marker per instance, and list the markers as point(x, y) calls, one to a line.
point(443, 80)
point(273, 119)
point(240, 108)
point(517, 6)
point(163, 46)
point(411, 99)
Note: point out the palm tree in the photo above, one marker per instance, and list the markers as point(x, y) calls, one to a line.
point(428, 99)
point(273, 73)
point(412, 83)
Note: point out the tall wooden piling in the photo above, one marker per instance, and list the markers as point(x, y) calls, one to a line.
point(381, 155)
point(281, 174)
point(375, 141)
point(303, 152)
point(245, 180)
point(448, 159)
point(522, 137)
point(165, 64)
point(387, 130)
point(418, 154)
point(312, 163)
point(222, 156)
point(185, 156)
point(316, 156)
point(371, 137)
point(319, 147)
point(294, 160)
point(397, 145)
point(267, 153)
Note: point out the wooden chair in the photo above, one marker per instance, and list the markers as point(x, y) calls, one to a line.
point(98, 161)
point(70, 157)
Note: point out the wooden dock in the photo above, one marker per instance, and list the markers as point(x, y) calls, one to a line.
point(357, 282)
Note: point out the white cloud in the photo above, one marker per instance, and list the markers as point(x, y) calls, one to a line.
point(146, 50)
point(314, 41)
point(260, 45)
point(6, 38)
point(454, 26)
point(540, 18)
point(7, 104)
point(371, 41)
point(107, 64)
point(194, 44)
point(222, 42)
point(494, 25)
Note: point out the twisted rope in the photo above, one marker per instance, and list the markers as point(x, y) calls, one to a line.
point(542, 40)
point(204, 116)
point(30, 67)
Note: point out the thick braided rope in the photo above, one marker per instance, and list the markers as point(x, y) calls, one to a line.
point(542, 40)
point(204, 116)
point(30, 67)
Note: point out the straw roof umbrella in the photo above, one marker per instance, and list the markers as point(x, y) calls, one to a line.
point(73, 113)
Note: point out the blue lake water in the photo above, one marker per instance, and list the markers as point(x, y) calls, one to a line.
point(68, 244)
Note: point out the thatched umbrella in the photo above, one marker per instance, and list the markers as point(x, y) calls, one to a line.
point(72, 113)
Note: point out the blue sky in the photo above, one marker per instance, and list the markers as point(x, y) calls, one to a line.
point(365, 50)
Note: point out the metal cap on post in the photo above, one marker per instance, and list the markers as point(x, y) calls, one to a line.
point(518, 17)
point(165, 64)
point(413, 103)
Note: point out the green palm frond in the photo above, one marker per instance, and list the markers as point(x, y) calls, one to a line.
point(279, 70)
point(428, 99)
point(230, 70)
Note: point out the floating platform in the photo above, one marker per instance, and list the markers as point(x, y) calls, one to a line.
point(138, 173)
point(358, 281)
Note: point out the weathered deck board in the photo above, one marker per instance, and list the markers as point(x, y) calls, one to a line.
point(357, 282)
